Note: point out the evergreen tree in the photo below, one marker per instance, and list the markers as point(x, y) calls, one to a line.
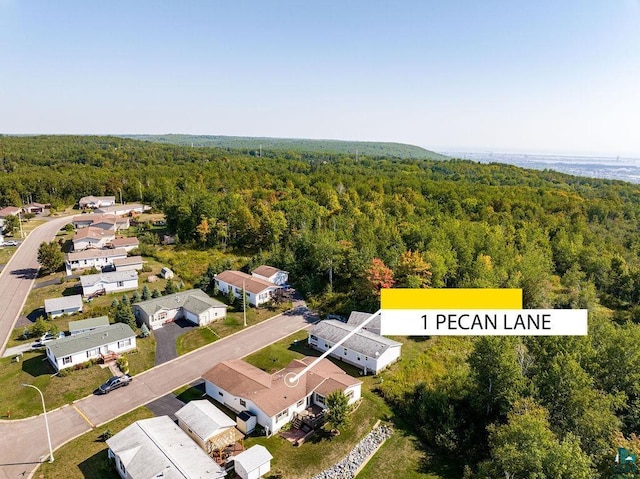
point(156, 293)
point(170, 287)
point(146, 293)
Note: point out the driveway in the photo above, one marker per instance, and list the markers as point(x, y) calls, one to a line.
point(23, 443)
point(16, 278)
point(166, 337)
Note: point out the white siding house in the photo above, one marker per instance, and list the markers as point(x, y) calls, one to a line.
point(259, 291)
point(158, 448)
point(96, 201)
point(130, 263)
point(80, 348)
point(365, 350)
point(111, 282)
point(65, 305)
point(98, 258)
point(271, 274)
point(91, 237)
point(121, 210)
point(241, 386)
point(194, 305)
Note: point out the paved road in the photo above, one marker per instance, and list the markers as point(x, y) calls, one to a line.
point(23, 443)
point(17, 276)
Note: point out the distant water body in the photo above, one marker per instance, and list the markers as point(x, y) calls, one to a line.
point(625, 169)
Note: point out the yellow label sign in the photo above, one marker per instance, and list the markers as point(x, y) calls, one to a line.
point(458, 298)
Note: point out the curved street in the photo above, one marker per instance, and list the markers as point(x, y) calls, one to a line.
point(16, 279)
point(23, 443)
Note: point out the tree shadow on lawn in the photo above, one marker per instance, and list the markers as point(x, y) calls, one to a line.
point(98, 466)
point(37, 366)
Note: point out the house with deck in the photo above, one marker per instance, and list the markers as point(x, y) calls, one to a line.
point(70, 351)
point(111, 282)
point(240, 386)
point(208, 426)
point(193, 305)
point(93, 258)
point(370, 352)
point(55, 307)
point(92, 237)
point(158, 448)
point(259, 291)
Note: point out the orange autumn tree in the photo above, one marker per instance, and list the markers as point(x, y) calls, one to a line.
point(378, 276)
point(413, 271)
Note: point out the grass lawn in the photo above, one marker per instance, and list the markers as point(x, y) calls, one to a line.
point(196, 338)
point(409, 458)
point(35, 369)
point(6, 252)
point(144, 357)
point(86, 456)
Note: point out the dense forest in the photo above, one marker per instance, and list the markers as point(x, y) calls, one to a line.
point(497, 407)
point(253, 145)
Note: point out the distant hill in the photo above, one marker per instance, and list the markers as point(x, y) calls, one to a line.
point(365, 148)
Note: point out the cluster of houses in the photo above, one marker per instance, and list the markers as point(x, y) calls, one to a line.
point(261, 286)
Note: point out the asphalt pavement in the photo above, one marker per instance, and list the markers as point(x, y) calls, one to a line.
point(23, 443)
point(16, 278)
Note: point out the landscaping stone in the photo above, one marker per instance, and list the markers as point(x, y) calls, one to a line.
point(347, 467)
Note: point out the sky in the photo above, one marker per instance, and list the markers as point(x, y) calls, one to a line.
point(556, 77)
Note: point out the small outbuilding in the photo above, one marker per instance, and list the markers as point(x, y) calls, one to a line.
point(207, 425)
point(253, 463)
point(65, 305)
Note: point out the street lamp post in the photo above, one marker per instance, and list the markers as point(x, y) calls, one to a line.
point(46, 421)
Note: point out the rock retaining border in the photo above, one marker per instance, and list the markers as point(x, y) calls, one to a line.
point(348, 467)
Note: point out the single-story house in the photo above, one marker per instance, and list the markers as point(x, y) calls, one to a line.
point(80, 348)
point(258, 290)
point(65, 305)
point(207, 425)
point(91, 237)
point(253, 463)
point(111, 282)
point(105, 222)
point(130, 263)
point(35, 208)
point(356, 318)
point(90, 258)
point(89, 324)
point(240, 386)
point(127, 243)
point(122, 210)
point(365, 350)
point(96, 201)
point(194, 305)
point(157, 447)
point(9, 211)
point(271, 274)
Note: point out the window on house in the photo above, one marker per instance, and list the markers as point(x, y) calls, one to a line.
point(300, 403)
point(220, 393)
point(162, 316)
point(120, 284)
point(124, 343)
point(326, 345)
point(282, 414)
point(93, 353)
point(66, 360)
point(243, 403)
point(319, 398)
point(358, 358)
point(349, 394)
point(313, 338)
point(345, 351)
point(366, 358)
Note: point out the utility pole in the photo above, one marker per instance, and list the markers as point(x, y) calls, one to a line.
point(20, 223)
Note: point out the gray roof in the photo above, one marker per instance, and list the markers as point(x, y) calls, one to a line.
point(90, 340)
point(204, 419)
point(129, 260)
point(90, 323)
point(65, 302)
point(254, 457)
point(195, 301)
point(96, 253)
point(363, 342)
point(356, 318)
point(111, 277)
point(157, 447)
